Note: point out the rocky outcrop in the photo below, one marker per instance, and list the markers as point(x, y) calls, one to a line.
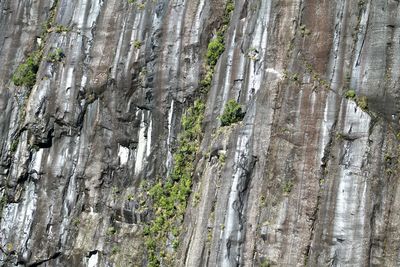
point(98, 168)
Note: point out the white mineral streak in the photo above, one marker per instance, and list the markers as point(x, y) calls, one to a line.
point(141, 149)
point(259, 45)
point(123, 154)
point(229, 59)
point(351, 194)
point(148, 141)
point(93, 260)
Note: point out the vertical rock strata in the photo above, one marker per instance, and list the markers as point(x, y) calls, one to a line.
point(309, 177)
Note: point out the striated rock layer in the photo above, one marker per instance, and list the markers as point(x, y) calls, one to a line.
point(309, 177)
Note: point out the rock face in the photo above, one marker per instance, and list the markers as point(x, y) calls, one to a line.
point(309, 177)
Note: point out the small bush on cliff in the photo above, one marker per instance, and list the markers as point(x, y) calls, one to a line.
point(215, 48)
point(362, 102)
point(55, 56)
point(350, 94)
point(137, 44)
point(232, 113)
point(25, 74)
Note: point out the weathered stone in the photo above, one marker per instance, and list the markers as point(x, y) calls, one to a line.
point(308, 177)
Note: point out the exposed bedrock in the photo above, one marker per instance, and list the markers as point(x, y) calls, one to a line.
point(93, 93)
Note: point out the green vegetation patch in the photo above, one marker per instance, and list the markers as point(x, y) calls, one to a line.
point(361, 101)
point(61, 29)
point(137, 44)
point(25, 74)
point(350, 94)
point(14, 145)
point(3, 202)
point(170, 198)
point(55, 56)
point(232, 113)
point(288, 186)
point(216, 47)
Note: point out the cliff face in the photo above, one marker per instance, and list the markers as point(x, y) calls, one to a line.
point(98, 170)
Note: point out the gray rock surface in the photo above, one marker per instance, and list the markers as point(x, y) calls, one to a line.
point(308, 178)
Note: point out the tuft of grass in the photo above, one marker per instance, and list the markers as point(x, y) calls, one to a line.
point(14, 145)
point(362, 102)
point(140, 6)
point(3, 202)
point(137, 44)
point(304, 31)
point(61, 29)
point(56, 56)
point(287, 187)
point(111, 231)
point(115, 250)
point(130, 197)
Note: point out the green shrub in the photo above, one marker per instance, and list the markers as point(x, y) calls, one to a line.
point(350, 94)
point(55, 56)
point(111, 231)
point(115, 249)
point(3, 202)
point(140, 6)
point(230, 6)
point(215, 48)
point(61, 28)
point(25, 74)
point(207, 79)
point(288, 186)
point(137, 44)
point(304, 31)
point(14, 145)
point(232, 113)
point(362, 102)
point(265, 263)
